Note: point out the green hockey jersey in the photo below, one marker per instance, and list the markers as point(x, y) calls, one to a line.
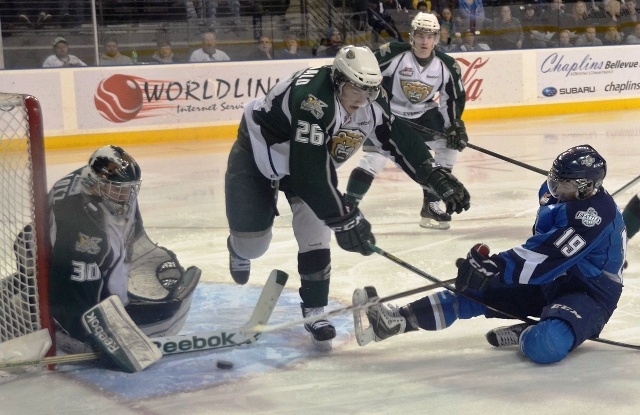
point(301, 134)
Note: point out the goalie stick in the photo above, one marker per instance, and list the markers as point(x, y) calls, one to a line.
point(453, 289)
point(195, 342)
point(263, 328)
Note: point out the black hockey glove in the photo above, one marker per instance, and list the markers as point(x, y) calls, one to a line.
point(353, 232)
point(457, 137)
point(476, 272)
point(445, 185)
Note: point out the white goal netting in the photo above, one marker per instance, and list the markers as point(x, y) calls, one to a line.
point(20, 305)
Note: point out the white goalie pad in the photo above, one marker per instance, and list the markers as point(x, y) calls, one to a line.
point(113, 331)
point(364, 335)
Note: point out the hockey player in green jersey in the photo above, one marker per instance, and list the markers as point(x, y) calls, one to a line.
point(293, 140)
point(425, 88)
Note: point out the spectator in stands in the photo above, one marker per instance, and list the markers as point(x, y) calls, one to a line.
point(446, 43)
point(112, 56)
point(423, 6)
point(471, 15)
point(331, 44)
point(469, 43)
point(381, 21)
point(446, 20)
point(634, 38)
point(589, 38)
point(163, 54)
point(291, 49)
point(535, 34)
point(629, 17)
point(208, 51)
point(564, 39)
point(36, 21)
point(579, 17)
point(612, 10)
point(612, 36)
point(212, 9)
point(507, 31)
point(61, 56)
point(71, 13)
point(263, 50)
point(555, 16)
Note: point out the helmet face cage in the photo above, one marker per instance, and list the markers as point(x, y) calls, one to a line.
point(427, 23)
point(114, 176)
point(358, 66)
point(577, 173)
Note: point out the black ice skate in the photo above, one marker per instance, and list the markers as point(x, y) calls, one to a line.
point(321, 330)
point(431, 216)
point(238, 267)
point(506, 335)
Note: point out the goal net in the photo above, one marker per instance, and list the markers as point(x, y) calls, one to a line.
point(24, 236)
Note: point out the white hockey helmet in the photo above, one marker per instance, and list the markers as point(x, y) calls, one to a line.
point(426, 22)
point(359, 66)
point(114, 176)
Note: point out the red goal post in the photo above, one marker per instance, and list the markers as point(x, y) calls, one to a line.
point(25, 244)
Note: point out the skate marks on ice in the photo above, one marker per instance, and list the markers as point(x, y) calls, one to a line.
point(218, 306)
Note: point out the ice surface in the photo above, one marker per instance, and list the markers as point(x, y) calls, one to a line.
point(454, 371)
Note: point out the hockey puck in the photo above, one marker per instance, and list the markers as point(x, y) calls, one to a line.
point(224, 364)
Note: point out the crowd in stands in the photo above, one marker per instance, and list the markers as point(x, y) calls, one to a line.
point(466, 25)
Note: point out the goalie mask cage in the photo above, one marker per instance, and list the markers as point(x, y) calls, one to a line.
point(24, 236)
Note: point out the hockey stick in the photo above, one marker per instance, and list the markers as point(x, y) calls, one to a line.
point(196, 342)
point(626, 186)
point(455, 290)
point(263, 328)
point(440, 135)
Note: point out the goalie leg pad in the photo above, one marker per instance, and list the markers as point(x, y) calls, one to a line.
point(113, 331)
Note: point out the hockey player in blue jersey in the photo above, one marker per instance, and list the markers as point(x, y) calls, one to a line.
point(569, 273)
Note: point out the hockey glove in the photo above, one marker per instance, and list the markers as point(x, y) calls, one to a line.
point(476, 272)
point(353, 232)
point(445, 185)
point(457, 137)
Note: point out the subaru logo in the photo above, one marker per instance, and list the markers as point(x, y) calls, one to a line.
point(549, 91)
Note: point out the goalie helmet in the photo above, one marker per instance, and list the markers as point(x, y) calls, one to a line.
point(357, 65)
point(113, 175)
point(426, 22)
point(577, 173)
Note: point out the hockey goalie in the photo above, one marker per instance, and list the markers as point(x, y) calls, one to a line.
point(111, 287)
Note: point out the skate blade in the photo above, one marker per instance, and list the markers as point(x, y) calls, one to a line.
point(433, 224)
point(364, 336)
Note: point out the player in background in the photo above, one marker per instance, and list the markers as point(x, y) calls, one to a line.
point(99, 250)
point(424, 87)
point(293, 140)
point(569, 273)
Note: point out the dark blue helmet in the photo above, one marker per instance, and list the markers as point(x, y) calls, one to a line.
point(577, 173)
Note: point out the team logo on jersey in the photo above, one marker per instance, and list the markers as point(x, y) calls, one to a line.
point(314, 106)
point(415, 91)
point(384, 49)
point(589, 218)
point(88, 244)
point(408, 71)
point(345, 143)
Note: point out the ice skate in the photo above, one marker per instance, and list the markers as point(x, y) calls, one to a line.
point(506, 335)
point(431, 216)
point(322, 330)
point(384, 321)
point(238, 267)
